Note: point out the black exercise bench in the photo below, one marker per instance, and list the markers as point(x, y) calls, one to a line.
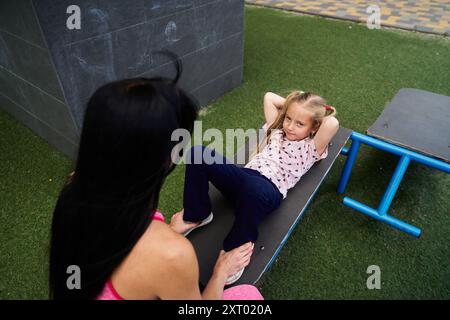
point(274, 230)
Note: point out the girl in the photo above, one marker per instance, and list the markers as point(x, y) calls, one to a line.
point(105, 221)
point(299, 129)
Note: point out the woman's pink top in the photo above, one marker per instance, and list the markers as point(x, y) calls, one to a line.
point(241, 292)
point(109, 293)
point(284, 161)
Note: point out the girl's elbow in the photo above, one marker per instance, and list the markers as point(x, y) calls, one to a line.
point(333, 124)
point(268, 95)
point(334, 121)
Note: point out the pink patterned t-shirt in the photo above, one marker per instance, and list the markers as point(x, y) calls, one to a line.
point(283, 161)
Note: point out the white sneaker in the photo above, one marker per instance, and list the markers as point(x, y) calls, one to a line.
point(234, 277)
point(204, 222)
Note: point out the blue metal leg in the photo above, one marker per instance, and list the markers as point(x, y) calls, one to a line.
point(391, 190)
point(344, 151)
point(385, 146)
point(397, 224)
point(351, 158)
point(407, 156)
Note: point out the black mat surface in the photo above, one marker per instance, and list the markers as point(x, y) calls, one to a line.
point(417, 120)
point(273, 231)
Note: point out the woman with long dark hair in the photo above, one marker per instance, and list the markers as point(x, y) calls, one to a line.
point(106, 221)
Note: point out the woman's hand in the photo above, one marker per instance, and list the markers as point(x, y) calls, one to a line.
point(179, 225)
point(233, 261)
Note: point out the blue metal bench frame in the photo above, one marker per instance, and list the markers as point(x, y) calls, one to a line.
point(406, 156)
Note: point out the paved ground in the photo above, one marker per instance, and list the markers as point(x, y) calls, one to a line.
point(430, 16)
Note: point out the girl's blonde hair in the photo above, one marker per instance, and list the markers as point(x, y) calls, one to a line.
point(308, 100)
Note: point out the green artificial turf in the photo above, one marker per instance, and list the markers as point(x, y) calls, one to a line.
point(358, 70)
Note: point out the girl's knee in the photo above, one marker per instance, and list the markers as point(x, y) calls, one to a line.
point(204, 155)
point(251, 189)
point(264, 200)
point(195, 154)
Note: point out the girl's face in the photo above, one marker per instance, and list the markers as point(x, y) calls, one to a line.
point(298, 122)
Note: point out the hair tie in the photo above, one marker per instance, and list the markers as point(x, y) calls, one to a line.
point(327, 107)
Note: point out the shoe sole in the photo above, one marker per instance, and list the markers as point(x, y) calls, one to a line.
point(235, 277)
point(203, 223)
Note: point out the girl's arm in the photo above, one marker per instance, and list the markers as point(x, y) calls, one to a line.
point(327, 130)
point(272, 105)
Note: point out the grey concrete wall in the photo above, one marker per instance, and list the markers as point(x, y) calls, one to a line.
point(29, 88)
point(118, 39)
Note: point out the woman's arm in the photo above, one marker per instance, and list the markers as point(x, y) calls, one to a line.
point(179, 281)
point(272, 105)
point(182, 278)
point(326, 132)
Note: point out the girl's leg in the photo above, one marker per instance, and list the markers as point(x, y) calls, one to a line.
point(260, 198)
point(224, 175)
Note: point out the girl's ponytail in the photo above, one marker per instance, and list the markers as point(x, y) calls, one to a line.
point(329, 110)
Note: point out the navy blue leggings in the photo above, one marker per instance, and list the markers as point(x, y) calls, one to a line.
point(254, 195)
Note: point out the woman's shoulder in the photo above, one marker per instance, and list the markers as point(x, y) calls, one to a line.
point(164, 242)
point(171, 262)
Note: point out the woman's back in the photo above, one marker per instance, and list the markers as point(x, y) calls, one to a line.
point(102, 217)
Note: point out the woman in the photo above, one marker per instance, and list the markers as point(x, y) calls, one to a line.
point(106, 220)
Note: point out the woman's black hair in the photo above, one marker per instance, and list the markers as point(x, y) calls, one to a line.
point(123, 159)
